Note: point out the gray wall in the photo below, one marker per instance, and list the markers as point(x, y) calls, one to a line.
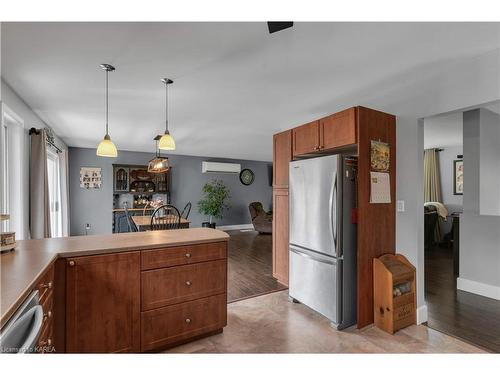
point(409, 188)
point(94, 206)
point(489, 172)
point(479, 234)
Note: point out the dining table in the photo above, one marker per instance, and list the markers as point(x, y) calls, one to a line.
point(143, 223)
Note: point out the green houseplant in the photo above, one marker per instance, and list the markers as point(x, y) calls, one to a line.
point(214, 202)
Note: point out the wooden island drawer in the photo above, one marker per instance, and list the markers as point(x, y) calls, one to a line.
point(171, 324)
point(45, 284)
point(180, 255)
point(168, 286)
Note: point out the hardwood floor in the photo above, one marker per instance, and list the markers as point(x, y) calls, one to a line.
point(465, 315)
point(250, 265)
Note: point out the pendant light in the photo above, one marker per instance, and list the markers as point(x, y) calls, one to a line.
point(107, 148)
point(166, 141)
point(158, 164)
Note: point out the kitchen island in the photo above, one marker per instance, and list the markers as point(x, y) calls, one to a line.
point(127, 292)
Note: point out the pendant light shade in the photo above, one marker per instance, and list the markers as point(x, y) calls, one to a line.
point(107, 148)
point(166, 141)
point(158, 164)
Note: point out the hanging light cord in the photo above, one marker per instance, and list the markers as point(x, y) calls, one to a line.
point(107, 72)
point(166, 107)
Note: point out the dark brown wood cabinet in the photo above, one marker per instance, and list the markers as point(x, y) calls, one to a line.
point(348, 131)
point(166, 326)
point(329, 133)
point(280, 235)
point(45, 286)
point(282, 154)
point(306, 139)
point(167, 286)
point(103, 303)
point(338, 130)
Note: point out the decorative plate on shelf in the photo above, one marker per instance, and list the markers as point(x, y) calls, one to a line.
point(247, 177)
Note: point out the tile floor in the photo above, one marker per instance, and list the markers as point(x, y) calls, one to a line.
point(272, 324)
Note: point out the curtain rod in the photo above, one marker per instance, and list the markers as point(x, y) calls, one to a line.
point(36, 131)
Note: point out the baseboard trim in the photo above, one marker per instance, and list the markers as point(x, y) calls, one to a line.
point(235, 227)
point(476, 287)
point(421, 314)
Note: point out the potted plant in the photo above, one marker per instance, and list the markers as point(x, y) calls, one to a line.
point(213, 204)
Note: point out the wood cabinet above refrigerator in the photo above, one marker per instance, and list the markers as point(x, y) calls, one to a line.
point(333, 132)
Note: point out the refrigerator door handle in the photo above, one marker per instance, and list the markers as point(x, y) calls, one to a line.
point(317, 259)
point(333, 212)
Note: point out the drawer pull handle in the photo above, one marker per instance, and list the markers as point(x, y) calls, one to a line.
point(48, 315)
point(188, 255)
point(188, 283)
point(46, 343)
point(188, 320)
point(71, 263)
point(46, 286)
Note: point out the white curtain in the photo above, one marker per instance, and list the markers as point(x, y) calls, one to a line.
point(63, 156)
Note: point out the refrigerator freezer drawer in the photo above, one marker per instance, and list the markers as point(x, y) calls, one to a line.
point(315, 282)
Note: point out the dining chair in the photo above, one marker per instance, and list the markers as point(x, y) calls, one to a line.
point(130, 222)
point(186, 210)
point(165, 217)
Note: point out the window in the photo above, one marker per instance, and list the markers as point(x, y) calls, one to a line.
point(54, 181)
point(13, 168)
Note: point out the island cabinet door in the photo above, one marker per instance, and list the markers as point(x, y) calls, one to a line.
point(103, 303)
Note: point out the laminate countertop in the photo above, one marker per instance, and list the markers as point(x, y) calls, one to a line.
point(21, 267)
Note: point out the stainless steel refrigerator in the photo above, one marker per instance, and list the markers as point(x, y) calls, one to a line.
point(322, 193)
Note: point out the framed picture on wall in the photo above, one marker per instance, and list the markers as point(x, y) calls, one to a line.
point(458, 177)
point(90, 178)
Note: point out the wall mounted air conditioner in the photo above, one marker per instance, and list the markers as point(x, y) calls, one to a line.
point(211, 167)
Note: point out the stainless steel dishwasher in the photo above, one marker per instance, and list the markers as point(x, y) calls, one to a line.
point(21, 332)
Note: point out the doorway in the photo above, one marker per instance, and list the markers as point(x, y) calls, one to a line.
point(455, 242)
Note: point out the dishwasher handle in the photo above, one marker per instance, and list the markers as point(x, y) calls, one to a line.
point(36, 328)
point(22, 335)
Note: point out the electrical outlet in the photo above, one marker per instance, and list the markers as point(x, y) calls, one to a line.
point(401, 206)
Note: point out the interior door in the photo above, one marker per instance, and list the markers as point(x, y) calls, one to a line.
point(312, 206)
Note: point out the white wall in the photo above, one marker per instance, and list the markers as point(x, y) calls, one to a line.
point(22, 110)
point(479, 234)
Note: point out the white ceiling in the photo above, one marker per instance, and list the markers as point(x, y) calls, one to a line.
point(235, 85)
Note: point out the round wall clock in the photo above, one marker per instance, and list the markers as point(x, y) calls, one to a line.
point(246, 177)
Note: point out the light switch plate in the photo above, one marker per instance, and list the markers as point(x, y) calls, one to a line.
point(401, 206)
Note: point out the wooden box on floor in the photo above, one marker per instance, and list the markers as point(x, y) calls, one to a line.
point(394, 292)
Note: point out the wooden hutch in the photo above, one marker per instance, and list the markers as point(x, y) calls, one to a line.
point(134, 184)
